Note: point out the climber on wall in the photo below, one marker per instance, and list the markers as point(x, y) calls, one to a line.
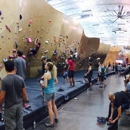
point(33, 51)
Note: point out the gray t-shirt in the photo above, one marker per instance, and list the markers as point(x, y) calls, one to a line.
point(20, 65)
point(12, 84)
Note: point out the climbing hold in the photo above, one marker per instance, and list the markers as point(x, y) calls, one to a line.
point(23, 56)
point(20, 16)
point(11, 56)
point(55, 52)
point(17, 22)
point(49, 20)
point(0, 67)
point(20, 29)
point(2, 36)
point(42, 28)
point(30, 22)
point(2, 17)
point(7, 28)
point(41, 37)
point(0, 12)
point(29, 39)
point(16, 44)
point(46, 51)
point(38, 31)
point(14, 50)
point(66, 36)
point(46, 42)
point(54, 36)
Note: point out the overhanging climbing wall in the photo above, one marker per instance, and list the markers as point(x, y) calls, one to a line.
point(31, 19)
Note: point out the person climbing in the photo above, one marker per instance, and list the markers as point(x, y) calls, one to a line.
point(33, 51)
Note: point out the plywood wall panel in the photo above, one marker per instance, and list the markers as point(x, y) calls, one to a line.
point(47, 23)
point(112, 54)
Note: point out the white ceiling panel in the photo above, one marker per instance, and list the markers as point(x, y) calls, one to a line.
point(108, 20)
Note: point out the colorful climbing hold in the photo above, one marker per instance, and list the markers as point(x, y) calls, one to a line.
point(46, 42)
point(30, 22)
point(14, 50)
point(29, 39)
point(20, 29)
point(7, 28)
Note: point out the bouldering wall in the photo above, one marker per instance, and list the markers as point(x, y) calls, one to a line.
point(112, 55)
point(102, 53)
point(27, 20)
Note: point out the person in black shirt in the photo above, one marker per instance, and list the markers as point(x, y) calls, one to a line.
point(44, 60)
point(118, 103)
point(65, 73)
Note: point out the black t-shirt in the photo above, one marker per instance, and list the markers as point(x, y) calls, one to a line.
point(120, 99)
point(43, 68)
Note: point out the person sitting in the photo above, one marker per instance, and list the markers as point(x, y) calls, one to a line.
point(33, 51)
point(118, 103)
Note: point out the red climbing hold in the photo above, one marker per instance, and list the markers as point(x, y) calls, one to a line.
point(7, 28)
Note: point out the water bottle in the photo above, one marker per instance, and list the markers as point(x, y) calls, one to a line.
point(34, 124)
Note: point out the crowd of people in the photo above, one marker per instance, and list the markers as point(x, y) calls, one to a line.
point(13, 94)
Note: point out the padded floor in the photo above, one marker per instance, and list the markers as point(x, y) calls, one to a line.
point(38, 109)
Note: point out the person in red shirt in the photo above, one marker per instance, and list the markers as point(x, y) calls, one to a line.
point(71, 67)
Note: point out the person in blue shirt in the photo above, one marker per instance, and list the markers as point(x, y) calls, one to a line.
point(50, 80)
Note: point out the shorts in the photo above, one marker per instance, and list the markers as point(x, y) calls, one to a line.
point(88, 77)
point(71, 74)
point(102, 78)
point(49, 97)
point(65, 74)
point(99, 75)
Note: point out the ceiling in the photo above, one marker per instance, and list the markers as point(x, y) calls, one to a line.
point(108, 20)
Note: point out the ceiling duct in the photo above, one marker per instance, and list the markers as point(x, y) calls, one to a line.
point(86, 10)
point(86, 15)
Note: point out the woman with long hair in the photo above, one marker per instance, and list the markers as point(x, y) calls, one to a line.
point(50, 79)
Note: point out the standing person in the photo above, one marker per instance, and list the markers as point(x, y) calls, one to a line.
point(102, 76)
point(20, 67)
point(88, 75)
point(71, 67)
point(99, 72)
point(50, 79)
point(13, 94)
point(113, 66)
point(20, 64)
point(44, 61)
point(118, 103)
point(119, 67)
point(65, 73)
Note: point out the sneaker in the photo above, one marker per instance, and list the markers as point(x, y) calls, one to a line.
point(27, 106)
point(49, 125)
point(100, 86)
point(56, 120)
